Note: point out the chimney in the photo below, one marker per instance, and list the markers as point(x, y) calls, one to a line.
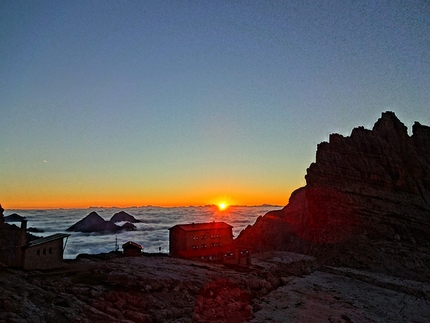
point(22, 242)
point(23, 234)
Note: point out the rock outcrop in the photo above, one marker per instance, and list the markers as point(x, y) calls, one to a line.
point(95, 223)
point(366, 203)
point(123, 216)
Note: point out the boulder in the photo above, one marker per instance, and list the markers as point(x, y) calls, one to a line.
point(123, 216)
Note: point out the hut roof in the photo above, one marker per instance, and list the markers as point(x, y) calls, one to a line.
point(131, 243)
point(48, 239)
point(203, 226)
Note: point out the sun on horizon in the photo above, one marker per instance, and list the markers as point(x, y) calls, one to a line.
point(222, 206)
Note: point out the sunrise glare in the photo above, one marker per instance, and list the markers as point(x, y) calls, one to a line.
point(222, 206)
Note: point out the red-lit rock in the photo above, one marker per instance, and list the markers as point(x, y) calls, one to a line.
point(366, 203)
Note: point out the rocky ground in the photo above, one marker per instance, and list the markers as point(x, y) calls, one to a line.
point(334, 297)
point(278, 287)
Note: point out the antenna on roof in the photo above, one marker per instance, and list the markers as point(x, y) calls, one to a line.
point(116, 243)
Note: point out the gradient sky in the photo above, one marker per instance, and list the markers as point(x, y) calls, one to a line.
point(193, 102)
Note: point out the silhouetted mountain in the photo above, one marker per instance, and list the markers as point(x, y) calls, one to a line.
point(94, 223)
point(366, 203)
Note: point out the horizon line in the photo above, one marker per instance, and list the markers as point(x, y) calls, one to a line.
point(141, 206)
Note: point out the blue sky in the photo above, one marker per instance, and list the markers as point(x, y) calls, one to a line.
point(190, 102)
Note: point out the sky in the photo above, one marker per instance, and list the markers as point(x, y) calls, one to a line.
point(177, 103)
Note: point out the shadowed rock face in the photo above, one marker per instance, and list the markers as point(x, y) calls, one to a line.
point(366, 203)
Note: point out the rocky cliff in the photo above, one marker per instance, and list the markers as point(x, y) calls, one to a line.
point(366, 203)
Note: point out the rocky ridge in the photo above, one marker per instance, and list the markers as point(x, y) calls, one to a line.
point(366, 203)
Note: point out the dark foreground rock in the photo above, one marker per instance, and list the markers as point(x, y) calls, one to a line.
point(278, 287)
point(144, 289)
point(338, 296)
point(366, 203)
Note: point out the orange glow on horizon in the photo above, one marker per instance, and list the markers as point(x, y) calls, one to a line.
point(52, 199)
point(222, 206)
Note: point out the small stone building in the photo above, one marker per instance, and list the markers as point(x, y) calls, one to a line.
point(132, 249)
point(44, 253)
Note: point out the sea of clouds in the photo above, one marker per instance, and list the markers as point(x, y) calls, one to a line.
point(152, 233)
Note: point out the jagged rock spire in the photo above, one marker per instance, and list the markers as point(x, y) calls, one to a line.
point(365, 190)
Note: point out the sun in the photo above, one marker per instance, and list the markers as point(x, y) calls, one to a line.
point(222, 206)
